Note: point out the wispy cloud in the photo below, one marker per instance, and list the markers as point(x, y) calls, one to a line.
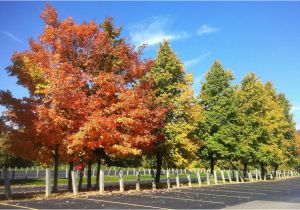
point(295, 109)
point(206, 29)
point(12, 36)
point(153, 31)
point(194, 61)
point(296, 112)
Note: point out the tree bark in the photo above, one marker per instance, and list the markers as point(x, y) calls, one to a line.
point(158, 166)
point(80, 179)
point(89, 175)
point(262, 170)
point(245, 169)
point(212, 165)
point(13, 175)
point(55, 175)
point(98, 173)
point(71, 164)
point(7, 183)
point(275, 168)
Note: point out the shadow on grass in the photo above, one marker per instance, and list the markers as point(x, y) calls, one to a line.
point(24, 181)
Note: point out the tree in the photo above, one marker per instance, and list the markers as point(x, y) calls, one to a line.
point(278, 146)
point(173, 89)
point(217, 127)
point(266, 127)
point(251, 103)
point(86, 93)
point(297, 139)
point(5, 157)
point(289, 131)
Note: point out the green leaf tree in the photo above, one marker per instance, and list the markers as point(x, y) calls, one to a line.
point(217, 127)
point(173, 89)
point(251, 103)
point(278, 147)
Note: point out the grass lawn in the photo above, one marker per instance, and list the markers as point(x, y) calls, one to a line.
point(107, 179)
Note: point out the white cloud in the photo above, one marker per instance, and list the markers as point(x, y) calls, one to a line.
point(296, 112)
point(12, 36)
point(206, 29)
point(295, 108)
point(153, 31)
point(194, 61)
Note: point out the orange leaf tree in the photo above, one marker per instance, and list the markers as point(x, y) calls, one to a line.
point(87, 91)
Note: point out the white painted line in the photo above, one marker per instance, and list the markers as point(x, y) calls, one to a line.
point(250, 193)
point(265, 187)
point(19, 206)
point(286, 185)
point(122, 203)
point(185, 199)
point(261, 187)
point(227, 196)
point(250, 189)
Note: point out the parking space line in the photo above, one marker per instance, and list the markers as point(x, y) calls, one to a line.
point(188, 199)
point(262, 187)
point(250, 189)
point(286, 185)
point(19, 206)
point(271, 183)
point(122, 203)
point(250, 193)
point(227, 196)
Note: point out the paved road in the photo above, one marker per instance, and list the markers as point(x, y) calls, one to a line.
point(270, 194)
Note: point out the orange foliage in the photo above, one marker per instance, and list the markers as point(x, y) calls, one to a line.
point(86, 90)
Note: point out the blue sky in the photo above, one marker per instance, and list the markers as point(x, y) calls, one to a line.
point(263, 37)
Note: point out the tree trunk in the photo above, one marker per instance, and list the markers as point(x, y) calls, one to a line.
point(275, 168)
point(98, 173)
point(212, 165)
point(89, 175)
point(7, 183)
point(80, 179)
point(245, 169)
point(262, 170)
point(158, 166)
point(71, 164)
point(55, 175)
point(13, 175)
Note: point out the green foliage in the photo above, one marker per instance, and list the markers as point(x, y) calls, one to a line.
point(266, 126)
point(217, 127)
point(250, 101)
point(173, 88)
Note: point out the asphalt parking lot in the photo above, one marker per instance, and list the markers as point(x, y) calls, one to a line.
point(270, 194)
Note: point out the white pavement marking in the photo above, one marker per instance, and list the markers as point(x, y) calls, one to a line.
point(122, 203)
point(19, 206)
point(220, 190)
point(200, 193)
point(186, 199)
point(263, 187)
point(285, 185)
point(250, 189)
point(265, 205)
